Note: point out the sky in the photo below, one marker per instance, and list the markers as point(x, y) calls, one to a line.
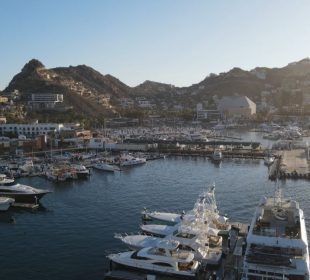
point(178, 42)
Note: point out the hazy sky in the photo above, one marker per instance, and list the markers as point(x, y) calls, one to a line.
point(171, 41)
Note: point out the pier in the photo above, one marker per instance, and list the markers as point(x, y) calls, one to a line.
point(291, 164)
point(238, 153)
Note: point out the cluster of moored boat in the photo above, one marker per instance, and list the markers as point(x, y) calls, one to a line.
point(177, 244)
point(183, 245)
point(68, 167)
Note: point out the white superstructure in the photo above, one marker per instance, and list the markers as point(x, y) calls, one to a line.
point(277, 245)
point(165, 259)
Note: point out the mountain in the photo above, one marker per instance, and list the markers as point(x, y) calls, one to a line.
point(94, 94)
point(82, 86)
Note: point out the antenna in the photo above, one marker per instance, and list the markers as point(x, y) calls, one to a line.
point(278, 190)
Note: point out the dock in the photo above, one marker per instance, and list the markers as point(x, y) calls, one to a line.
point(31, 206)
point(228, 153)
point(291, 164)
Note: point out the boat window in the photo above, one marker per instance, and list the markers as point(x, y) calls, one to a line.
point(7, 191)
point(136, 257)
point(162, 264)
point(185, 235)
point(185, 247)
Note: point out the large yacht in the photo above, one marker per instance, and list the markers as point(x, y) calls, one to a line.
point(22, 193)
point(165, 259)
point(277, 245)
point(206, 248)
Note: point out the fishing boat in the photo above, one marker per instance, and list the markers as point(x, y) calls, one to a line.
point(165, 259)
point(205, 205)
point(277, 244)
point(5, 203)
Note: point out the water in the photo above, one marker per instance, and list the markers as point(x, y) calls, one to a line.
point(70, 237)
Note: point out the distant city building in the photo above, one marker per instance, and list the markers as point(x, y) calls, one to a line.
point(3, 99)
point(127, 102)
point(45, 101)
point(206, 114)
point(236, 106)
point(2, 120)
point(29, 130)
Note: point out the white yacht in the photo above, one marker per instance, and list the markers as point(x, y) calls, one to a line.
point(277, 245)
point(5, 203)
point(129, 160)
point(207, 249)
point(5, 181)
point(269, 160)
point(104, 166)
point(165, 259)
point(217, 155)
point(80, 170)
point(22, 193)
point(205, 205)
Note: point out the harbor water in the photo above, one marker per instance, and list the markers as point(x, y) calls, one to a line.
point(70, 235)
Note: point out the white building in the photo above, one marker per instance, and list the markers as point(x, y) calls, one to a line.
point(30, 130)
point(236, 106)
point(145, 104)
point(45, 100)
point(203, 114)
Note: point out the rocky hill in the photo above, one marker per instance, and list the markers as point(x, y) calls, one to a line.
point(93, 94)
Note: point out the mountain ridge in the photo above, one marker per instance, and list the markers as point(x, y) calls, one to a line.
point(88, 90)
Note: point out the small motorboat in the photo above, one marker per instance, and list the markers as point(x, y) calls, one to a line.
point(5, 203)
point(5, 181)
point(129, 160)
point(217, 155)
point(104, 167)
point(269, 160)
point(80, 170)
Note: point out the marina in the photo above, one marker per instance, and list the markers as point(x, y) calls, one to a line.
point(94, 203)
point(158, 182)
point(155, 140)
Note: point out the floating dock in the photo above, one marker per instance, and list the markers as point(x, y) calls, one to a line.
point(25, 205)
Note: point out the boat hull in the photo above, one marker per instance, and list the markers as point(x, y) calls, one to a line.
point(175, 275)
point(24, 198)
point(5, 203)
point(82, 175)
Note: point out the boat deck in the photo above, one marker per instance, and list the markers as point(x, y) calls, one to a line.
point(278, 222)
